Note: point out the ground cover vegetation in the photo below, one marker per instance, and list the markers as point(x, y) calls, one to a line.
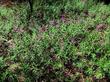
point(58, 41)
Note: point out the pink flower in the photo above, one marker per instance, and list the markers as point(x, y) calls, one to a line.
point(62, 17)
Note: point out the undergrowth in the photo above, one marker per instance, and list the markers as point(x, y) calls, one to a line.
point(62, 42)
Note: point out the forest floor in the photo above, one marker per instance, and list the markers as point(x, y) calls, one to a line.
point(65, 46)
